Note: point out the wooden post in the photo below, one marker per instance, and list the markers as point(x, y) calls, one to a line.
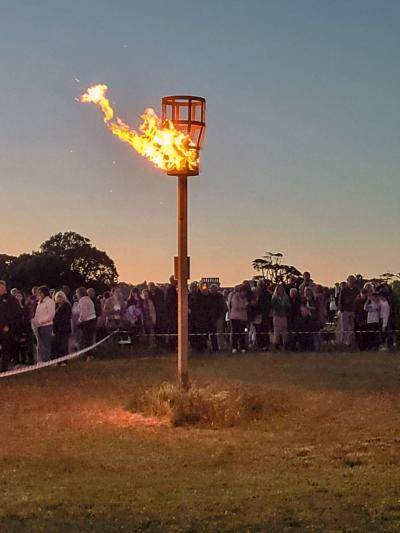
point(183, 322)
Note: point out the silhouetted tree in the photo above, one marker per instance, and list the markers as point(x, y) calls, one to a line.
point(64, 259)
point(272, 268)
point(6, 262)
point(36, 269)
point(81, 258)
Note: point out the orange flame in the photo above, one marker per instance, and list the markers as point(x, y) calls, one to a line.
point(162, 144)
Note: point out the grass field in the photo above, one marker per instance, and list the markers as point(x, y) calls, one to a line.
point(326, 458)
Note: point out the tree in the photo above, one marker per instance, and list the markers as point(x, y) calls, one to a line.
point(81, 259)
point(272, 268)
point(29, 270)
point(6, 262)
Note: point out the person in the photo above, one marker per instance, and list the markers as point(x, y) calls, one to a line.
point(262, 311)
point(9, 316)
point(332, 307)
point(360, 319)
point(133, 315)
point(149, 314)
point(76, 337)
point(157, 297)
point(114, 309)
point(30, 303)
point(239, 317)
point(309, 321)
point(307, 282)
point(280, 307)
point(321, 314)
point(198, 318)
point(134, 298)
point(171, 313)
point(227, 319)
point(96, 302)
point(216, 316)
point(87, 318)
point(347, 297)
point(393, 322)
point(61, 325)
point(292, 283)
point(372, 306)
point(67, 291)
point(43, 322)
point(294, 320)
point(384, 314)
point(23, 332)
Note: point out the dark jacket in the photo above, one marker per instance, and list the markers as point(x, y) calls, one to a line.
point(97, 307)
point(10, 313)
point(347, 299)
point(171, 307)
point(294, 313)
point(199, 312)
point(157, 297)
point(216, 306)
point(360, 313)
point(264, 305)
point(62, 319)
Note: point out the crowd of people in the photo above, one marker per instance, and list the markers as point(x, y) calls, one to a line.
point(297, 315)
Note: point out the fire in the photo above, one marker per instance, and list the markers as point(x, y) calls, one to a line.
point(161, 143)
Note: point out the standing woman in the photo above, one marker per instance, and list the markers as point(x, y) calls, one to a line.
point(87, 317)
point(62, 325)
point(239, 317)
point(280, 309)
point(23, 332)
point(43, 321)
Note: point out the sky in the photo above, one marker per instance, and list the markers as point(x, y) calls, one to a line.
point(301, 153)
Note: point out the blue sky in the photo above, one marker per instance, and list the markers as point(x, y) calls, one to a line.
point(302, 148)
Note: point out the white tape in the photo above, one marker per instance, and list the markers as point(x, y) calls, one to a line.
point(62, 359)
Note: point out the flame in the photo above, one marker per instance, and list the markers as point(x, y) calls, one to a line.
point(165, 146)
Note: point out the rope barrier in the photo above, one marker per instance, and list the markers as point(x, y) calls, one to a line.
point(227, 334)
point(230, 333)
point(57, 361)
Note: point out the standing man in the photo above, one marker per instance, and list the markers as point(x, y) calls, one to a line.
point(217, 311)
point(9, 316)
point(307, 282)
point(347, 307)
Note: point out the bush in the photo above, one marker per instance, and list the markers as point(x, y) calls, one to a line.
point(206, 406)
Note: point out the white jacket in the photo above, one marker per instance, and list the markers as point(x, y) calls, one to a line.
point(373, 310)
point(86, 309)
point(45, 311)
point(384, 312)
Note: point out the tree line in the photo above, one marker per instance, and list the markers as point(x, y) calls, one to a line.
point(271, 267)
point(63, 259)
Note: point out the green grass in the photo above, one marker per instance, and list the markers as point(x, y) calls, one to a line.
point(325, 458)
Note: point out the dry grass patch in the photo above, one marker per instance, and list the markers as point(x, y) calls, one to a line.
point(209, 406)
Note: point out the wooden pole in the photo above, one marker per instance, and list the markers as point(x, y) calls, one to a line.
point(183, 322)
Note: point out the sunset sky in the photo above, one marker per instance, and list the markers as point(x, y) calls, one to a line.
point(302, 150)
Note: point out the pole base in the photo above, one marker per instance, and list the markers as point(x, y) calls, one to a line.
point(184, 383)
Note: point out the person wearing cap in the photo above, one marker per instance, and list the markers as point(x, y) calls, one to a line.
point(9, 317)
